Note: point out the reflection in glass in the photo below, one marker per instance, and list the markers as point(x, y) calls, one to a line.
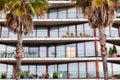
point(42, 32)
point(51, 69)
point(53, 14)
point(33, 52)
point(51, 51)
point(60, 51)
point(63, 30)
point(80, 49)
point(4, 33)
point(54, 32)
point(62, 13)
point(82, 70)
point(90, 49)
point(62, 71)
point(73, 70)
point(43, 52)
point(41, 69)
point(91, 70)
point(71, 13)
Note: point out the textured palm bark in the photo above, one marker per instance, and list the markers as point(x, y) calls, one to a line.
point(102, 38)
point(18, 56)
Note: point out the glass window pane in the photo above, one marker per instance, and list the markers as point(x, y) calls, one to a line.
point(4, 33)
point(71, 13)
point(54, 32)
point(63, 30)
point(71, 50)
point(73, 70)
point(10, 71)
point(80, 49)
point(72, 30)
point(32, 69)
point(62, 71)
point(60, 51)
point(43, 50)
point(51, 69)
point(51, 51)
point(80, 30)
point(42, 31)
point(88, 30)
point(114, 32)
point(62, 13)
point(82, 70)
point(53, 14)
point(33, 51)
point(91, 70)
point(90, 51)
point(41, 69)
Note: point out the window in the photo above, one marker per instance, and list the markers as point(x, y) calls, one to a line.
point(54, 32)
point(43, 52)
point(72, 30)
point(33, 52)
point(72, 13)
point(41, 69)
point(42, 31)
point(60, 51)
point(90, 48)
point(51, 69)
point(51, 51)
point(91, 70)
point(63, 30)
point(62, 71)
point(80, 49)
point(82, 70)
point(88, 30)
point(53, 14)
point(73, 70)
point(4, 32)
point(62, 13)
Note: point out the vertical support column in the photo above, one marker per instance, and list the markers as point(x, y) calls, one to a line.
point(0, 30)
point(76, 50)
point(97, 70)
point(78, 70)
point(67, 71)
point(14, 71)
point(65, 51)
point(38, 51)
point(47, 51)
point(48, 31)
point(36, 70)
point(86, 69)
point(47, 69)
point(66, 13)
point(119, 30)
point(55, 51)
point(7, 71)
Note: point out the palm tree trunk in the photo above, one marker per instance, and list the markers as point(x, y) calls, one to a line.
point(18, 56)
point(19, 53)
point(102, 38)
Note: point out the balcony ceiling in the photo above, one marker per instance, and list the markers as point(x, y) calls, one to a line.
point(56, 22)
point(57, 4)
point(46, 60)
point(56, 40)
point(42, 61)
point(46, 40)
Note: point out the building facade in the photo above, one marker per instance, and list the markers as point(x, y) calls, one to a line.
point(63, 42)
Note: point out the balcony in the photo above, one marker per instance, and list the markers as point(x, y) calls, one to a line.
point(56, 60)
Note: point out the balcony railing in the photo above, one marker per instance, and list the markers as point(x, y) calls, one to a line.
point(61, 75)
point(60, 34)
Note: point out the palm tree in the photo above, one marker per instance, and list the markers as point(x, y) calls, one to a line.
point(100, 14)
point(19, 20)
